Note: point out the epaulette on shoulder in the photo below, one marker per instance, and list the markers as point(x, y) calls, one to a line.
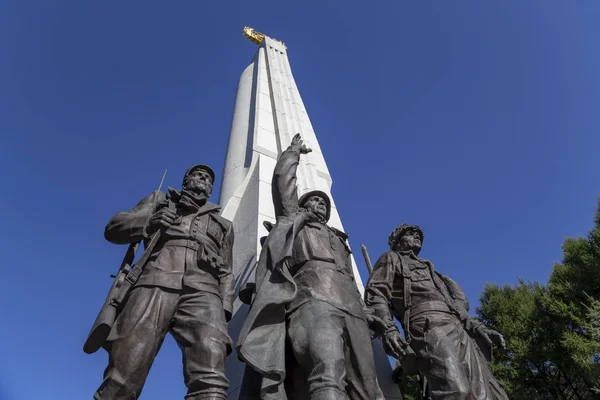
point(222, 220)
point(342, 235)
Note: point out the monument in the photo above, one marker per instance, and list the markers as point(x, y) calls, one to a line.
point(267, 114)
point(193, 277)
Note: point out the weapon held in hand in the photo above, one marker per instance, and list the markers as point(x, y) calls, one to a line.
point(126, 277)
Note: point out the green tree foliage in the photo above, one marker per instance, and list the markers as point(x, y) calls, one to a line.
point(409, 386)
point(552, 330)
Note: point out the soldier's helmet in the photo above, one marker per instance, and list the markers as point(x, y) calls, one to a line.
point(196, 167)
point(400, 231)
point(322, 195)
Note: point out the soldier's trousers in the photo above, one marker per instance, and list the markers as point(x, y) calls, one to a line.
point(197, 322)
point(334, 351)
point(450, 360)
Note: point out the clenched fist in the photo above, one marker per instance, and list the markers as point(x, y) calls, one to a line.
point(493, 337)
point(162, 219)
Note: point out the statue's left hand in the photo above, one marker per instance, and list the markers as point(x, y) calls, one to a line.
point(493, 337)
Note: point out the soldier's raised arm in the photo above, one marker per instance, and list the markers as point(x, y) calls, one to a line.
point(128, 226)
point(283, 185)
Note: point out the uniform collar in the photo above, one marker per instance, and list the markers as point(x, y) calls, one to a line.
point(186, 201)
point(411, 254)
point(315, 224)
point(321, 225)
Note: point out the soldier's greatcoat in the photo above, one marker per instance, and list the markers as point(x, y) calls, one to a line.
point(307, 315)
point(433, 312)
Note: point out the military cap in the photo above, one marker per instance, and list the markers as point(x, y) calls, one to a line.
point(322, 195)
point(400, 231)
point(200, 166)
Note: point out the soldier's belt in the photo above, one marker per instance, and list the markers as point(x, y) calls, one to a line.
point(189, 243)
point(212, 260)
point(429, 306)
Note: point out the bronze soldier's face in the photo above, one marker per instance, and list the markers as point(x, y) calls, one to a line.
point(317, 206)
point(199, 181)
point(411, 240)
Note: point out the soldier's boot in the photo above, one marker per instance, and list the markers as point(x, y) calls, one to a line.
point(329, 394)
point(206, 396)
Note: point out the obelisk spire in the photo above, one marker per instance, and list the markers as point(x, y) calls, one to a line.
point(268, 112)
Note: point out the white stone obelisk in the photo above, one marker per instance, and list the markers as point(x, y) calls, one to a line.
point(268, 112)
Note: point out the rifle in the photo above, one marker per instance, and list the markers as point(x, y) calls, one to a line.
point(367, 258)
point(123, 281)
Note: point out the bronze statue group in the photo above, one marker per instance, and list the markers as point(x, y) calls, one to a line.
point(308, 331)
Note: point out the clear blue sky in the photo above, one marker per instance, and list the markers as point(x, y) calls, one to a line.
point(476, 120)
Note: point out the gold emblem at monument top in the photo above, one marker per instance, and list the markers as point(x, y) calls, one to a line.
point(256, 37)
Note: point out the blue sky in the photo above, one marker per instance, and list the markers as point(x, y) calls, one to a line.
point(476, 120)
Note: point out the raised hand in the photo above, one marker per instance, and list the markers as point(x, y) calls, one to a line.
point(298, 144)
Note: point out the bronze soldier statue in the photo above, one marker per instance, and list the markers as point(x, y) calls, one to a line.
point(306, 334)
point(453, 350)
point(185, 288)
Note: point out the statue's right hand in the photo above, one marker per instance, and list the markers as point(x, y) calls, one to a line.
point(162, 219)
point(298, 144)
point(396, 346)
point(393, 344)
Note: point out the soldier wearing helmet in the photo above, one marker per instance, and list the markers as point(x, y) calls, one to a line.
point(306, 301)
point(443, 343)
point(185, 288)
